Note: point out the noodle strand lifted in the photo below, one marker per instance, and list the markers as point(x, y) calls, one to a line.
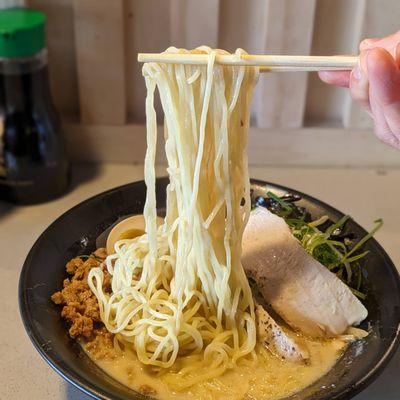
point(179, 292)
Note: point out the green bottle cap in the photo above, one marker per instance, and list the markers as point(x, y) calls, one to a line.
point(21, 32)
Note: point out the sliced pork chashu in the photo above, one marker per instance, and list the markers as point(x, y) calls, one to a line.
point(300, 289)
point(276, 340)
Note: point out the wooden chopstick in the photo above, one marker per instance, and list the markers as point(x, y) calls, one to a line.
point(266, 62)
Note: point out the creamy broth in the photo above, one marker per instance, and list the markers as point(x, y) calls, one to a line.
point(270, 378)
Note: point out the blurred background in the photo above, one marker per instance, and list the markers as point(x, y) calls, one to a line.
point(297, 120)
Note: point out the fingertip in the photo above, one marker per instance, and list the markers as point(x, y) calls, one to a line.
point(359, 84)
point(337, 78)
point(325, 76)
point(380, 60)
point(368, 43)
point(384, 76)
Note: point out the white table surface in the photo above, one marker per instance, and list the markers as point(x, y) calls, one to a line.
point(365, 194)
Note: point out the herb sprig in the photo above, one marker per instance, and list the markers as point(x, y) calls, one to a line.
point(326, 241)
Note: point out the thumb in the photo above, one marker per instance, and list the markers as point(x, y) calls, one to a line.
point(384, 94)
point(337, 78)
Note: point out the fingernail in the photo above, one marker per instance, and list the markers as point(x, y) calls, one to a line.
point(357, 73)
point(360, 70)
point(371, 41)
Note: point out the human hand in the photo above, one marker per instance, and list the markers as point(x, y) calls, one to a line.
point(375, 84)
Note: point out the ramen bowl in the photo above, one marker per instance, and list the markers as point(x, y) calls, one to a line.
point(75, 233)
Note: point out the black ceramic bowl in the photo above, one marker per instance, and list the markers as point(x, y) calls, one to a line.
point(75, 233)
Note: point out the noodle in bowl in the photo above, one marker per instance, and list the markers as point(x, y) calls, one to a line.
point(165, 309)
point(180, 298)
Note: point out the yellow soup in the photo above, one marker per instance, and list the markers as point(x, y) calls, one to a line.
point(269, 378)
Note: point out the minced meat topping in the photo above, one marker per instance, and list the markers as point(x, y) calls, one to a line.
point(80, 306)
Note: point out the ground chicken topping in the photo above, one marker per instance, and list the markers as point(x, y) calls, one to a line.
point(102, 346)
point(80, 306)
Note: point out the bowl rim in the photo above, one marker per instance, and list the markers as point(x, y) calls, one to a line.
point(96, 392)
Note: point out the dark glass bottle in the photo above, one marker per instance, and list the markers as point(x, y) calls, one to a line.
point(33, 163)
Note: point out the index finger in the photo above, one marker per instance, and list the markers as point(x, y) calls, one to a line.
point(389, 43)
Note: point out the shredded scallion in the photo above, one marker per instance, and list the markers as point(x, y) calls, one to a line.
point(324, 240)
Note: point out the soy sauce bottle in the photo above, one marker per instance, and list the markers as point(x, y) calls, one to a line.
point(33, 163)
